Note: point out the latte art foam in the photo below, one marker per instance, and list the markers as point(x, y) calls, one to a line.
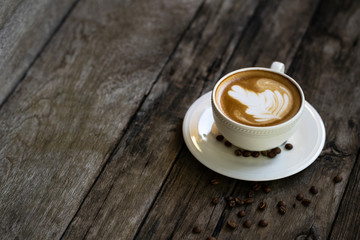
point(265, 106)
point(258, 98)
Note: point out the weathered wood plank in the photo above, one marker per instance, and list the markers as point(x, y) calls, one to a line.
point(346, 224)
point(25, 27)
point(65, 118)
point(124, 192)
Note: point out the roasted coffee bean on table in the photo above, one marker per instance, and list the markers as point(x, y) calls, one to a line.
point(266, 188)
point(249, 200)
point(232, 203)
point(282, 210)
point(241, 213)
point(306, 202)
point(229, 198)
point(247, 224)
point(250, 194)
point(239, 201)
point(262, 206)
point(215, 200)
point(214, 181)
point(314, 190)
point(276, 150)
point(281, 203)
point(338, 179)
point(299, 197)
point(256, 187)
point(231, 224)
point(196, 229)
point(263, 223)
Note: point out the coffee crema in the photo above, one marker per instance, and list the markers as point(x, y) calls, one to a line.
point(258, 98)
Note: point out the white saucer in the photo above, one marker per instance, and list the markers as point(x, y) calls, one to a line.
point(200, 133)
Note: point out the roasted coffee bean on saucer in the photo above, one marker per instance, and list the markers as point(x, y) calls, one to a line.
point(289, 146)
point(220, 138)
point(228, 144)
point(238, 152)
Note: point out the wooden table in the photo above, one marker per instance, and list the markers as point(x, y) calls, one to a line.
point(93, 96)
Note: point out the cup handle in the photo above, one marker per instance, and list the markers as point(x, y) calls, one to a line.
point(278, 66)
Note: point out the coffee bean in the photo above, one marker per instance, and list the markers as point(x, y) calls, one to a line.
point(256, 187)
point(238, 152)
point(338, 179)
point(299, 197)
point(255, 154)
point(215, 181)
point(276, 150)
point(306, 202)
point(232, 203)
point(314, 190)
point(231, 224)
point(228, 144)
point(215, 200)
point(211, 238)
point(247, 224)
point(282, 210)
point(281, 204)
point(266, 188)
point(241, 214)
point(264, 153)
point(263, 223)
point(239, 201)
point(229, 198)
point(220, 138)
point(196, 229)
point(250, 194)
point(271, 154)
point(246, 153)
point(262, 206)
point(249, 200)
point(288, 146)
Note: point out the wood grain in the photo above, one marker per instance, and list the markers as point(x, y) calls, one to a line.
point(25, 28)
point(65, 118)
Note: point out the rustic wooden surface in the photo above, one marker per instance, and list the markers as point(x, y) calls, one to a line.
point(91, 141)
point(25, 28)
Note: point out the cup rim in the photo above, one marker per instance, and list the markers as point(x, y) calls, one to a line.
point(289, 121)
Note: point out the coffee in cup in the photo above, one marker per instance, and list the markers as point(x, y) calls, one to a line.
point(258, 98)
point(257, 108)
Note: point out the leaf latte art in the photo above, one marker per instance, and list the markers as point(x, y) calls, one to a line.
point(258, 98)
point(266, 106)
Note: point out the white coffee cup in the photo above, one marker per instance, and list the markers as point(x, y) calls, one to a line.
point(257, 138)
